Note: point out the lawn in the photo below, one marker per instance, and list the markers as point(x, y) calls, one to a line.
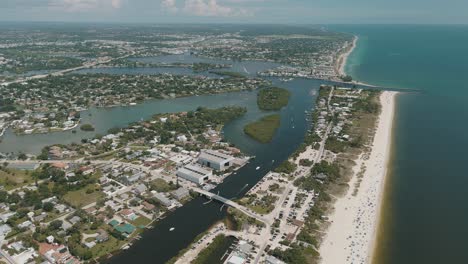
point(111, 245)
point(264, 129)
point(140, 221)
point(11, 178)
point(161, 185)
point(80, 198)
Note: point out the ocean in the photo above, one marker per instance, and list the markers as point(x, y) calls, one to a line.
point(425, 217)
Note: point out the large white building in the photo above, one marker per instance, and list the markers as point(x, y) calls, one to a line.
point(215, 159)
point(194, 173)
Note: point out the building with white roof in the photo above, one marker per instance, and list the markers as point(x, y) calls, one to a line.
point(215, 159)
point(194, 173)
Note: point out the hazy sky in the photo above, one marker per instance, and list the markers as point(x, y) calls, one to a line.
point(238, 11)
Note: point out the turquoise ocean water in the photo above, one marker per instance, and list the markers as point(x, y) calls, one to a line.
point(427, 206)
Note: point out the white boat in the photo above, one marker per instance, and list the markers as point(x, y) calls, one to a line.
point(257, 168)
point(172, 229)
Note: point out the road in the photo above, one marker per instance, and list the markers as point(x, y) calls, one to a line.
point(233, 204)
point(7, 257)
point(57, 73)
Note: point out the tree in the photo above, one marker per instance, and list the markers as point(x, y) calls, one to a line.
point(48, 207)
point(22, 156)
point(55, 225)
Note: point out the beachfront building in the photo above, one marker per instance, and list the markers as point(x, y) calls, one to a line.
point(215, 159)
point(194, 173)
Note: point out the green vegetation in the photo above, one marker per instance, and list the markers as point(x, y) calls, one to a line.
point(161, 185)
point(306, 162)
point(11, 178)
point(369, 105)
point(83, 197)
point(346, 78)
point(230, 74)
point(286, 167)
point(211, 252)
point(293, 255)
point(273, 98)
point(264, 205)
point(202, 66)
point(237, 219)
point(264, 129)
point(87, 127)
point(191, 124)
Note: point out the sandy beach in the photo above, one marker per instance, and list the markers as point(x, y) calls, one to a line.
point(344, 57)
point(351, 234)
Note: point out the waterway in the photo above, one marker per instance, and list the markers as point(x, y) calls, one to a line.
point(426, 206)
point(158, 245)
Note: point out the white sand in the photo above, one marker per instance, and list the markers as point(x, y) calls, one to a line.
point(350, 237)
point(344, 57)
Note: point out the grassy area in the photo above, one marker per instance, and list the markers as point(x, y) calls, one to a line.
point(83, 197)
point(111, 245)
point(161, 185)
point(11, 178)
point(264, 129)
point(264, 205)
point(272, 98)
point(213, 251)
point(141, 221)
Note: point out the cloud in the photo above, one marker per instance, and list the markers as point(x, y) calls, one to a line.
point(84, 5)
point(211, 8)
point(169, 5)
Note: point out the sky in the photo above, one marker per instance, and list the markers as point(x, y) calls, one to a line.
point(239, 11)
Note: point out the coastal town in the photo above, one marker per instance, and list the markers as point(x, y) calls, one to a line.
point(91, 200)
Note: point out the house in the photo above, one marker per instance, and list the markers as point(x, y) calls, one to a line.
point(57, 254)
point(40, 218)
point(66, 225)
point(103, 180)
point(25, 224)
point(147, 206)
point(75, 219)
point(4, 230)
point(90, 244)
point(163, 199)
point(5, 216)
point(60, 165)
point(128, 214)
point(182, 138)
point(180, 193)
point(50, 239)
point(125, 229)
point(102, 237)
point(140, 188)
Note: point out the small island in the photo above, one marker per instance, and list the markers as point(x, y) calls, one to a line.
point(273, 98)
point(87, 127)
point(263, 129)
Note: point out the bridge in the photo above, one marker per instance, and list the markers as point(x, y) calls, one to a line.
point(233, 204)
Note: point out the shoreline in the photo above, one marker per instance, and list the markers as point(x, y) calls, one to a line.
point(351, 236)
point(343, 58)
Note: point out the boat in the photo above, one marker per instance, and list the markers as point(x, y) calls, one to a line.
point(171, 229)
point(257, 168)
